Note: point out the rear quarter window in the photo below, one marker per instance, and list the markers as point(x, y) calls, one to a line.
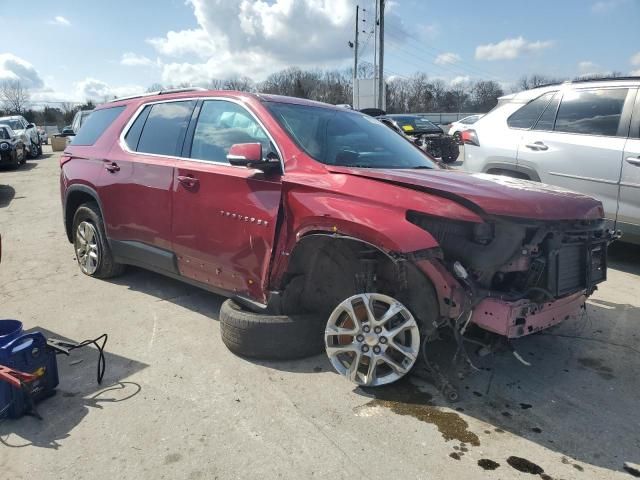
point(528, 115)
point(95, 125)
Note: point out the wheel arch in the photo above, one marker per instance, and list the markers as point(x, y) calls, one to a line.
point(324, 266)
point(75, 196)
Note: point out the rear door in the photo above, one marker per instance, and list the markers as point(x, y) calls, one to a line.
point(577, 142)
point(629, 207)
point(224, 217)
point(136, 184)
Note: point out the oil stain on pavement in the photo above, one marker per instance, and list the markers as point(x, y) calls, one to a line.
point(406, 399)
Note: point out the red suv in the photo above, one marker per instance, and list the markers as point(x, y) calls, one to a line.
point(302, 210)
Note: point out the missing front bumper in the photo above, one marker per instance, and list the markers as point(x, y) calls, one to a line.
point(522, 317)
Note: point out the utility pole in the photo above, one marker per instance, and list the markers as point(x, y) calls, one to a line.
point(381, 63)
point(375, 54)
point(354, 89)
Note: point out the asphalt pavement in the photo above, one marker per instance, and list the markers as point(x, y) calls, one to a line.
point(175, 403)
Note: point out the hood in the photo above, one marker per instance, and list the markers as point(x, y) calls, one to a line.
point(494, 195)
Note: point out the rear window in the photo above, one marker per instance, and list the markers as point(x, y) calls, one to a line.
point(95, 125)
point(526, 116)
point(165, 128)
point(593, 112)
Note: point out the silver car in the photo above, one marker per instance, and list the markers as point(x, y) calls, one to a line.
point(27, 132)
point(581, 135)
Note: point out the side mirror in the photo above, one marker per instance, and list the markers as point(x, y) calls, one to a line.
point(250, 155)
point(31, 125)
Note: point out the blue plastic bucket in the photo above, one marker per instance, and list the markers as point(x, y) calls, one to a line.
point(9, 331)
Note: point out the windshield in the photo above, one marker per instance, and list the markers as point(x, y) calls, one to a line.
point(410, 123)
point(346, 138)
point(14, 124)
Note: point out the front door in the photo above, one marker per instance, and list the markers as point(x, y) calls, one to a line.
point(224, 216)
point(580, 147)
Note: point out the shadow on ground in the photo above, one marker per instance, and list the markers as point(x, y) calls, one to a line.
point(77, 395)
point(7, 192)
point(578, 397)
point(625, 257)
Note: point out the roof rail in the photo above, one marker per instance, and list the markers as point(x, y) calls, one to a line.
point(159, 92)
point(589, 79)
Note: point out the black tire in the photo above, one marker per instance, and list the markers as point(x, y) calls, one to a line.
point(457, 137)
point(107, 267)
point(33, 151)
point(270, 337)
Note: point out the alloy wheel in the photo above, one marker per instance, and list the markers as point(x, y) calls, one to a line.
point(372, 339)
point(87, 247)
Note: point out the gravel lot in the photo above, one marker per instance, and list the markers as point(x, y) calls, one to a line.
point(176, 404)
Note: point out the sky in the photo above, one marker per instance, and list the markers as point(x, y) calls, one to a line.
point(74, 50)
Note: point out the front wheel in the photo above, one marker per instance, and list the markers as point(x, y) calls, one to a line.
point(90, 243)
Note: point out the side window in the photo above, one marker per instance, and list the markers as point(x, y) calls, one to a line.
point(133, 135)
point(593, 112)
point(548, 117)
point(222, 124)
point(527, 116)
point(165, 128)
point(96, 124)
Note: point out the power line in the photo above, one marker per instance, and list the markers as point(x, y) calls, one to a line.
point(459, 67)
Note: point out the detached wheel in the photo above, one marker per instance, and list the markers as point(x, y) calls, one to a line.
point(90, 243)
point(457, 137)
point(270, 337)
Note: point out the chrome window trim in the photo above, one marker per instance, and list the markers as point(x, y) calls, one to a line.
point(127, 127)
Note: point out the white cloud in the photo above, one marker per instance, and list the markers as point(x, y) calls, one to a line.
point(635, 60)
point(510, 48)
point(258, 38)
point(587, 66)
point(97, 90)
point(460, 79)
point(131, 59)
point(60, 20)
point(16, 68)
point(429, 30)
point(447, 58)
point(635, 73)
point(604, 6)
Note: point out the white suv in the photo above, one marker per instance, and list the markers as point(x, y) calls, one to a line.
point(27, 132)
point(580, 135)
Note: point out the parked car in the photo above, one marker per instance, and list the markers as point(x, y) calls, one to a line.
point(302, 212)
point(455, 128)
point(79, 119)
point(425, 133)
point(27, 132)
point(44, 137)
point(580, 135)
point(12, 151)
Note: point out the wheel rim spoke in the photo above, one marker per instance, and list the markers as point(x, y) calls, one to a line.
point(87, 249)
point(387, 358)
point(405, 325)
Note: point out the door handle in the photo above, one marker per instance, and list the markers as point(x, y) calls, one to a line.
point(111, 167)
point(188, 180)
point(634, 160)
point(537, 146)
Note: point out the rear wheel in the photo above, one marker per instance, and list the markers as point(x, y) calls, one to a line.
point(90, 243)
point(457, 137)
point(34, 150)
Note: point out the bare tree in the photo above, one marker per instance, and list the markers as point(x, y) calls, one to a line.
point(241, 84)
point(13, 96)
